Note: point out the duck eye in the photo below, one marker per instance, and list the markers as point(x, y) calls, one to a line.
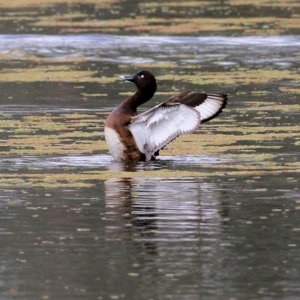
point(142, 76)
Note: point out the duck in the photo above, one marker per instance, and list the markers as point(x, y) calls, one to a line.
point(133, 137)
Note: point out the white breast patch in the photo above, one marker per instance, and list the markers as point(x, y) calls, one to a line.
point(116, 148)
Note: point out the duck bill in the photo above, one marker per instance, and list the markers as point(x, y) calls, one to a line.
point(128, 78)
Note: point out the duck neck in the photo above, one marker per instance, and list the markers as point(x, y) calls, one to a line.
point(137, 99)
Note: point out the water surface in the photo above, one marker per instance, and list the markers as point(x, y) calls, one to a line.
point(215, 217)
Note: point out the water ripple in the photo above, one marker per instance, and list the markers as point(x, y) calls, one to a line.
point(93, 46)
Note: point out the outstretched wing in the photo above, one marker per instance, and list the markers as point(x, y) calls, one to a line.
point(155, 128)
point(182, 113)
point(209, 105)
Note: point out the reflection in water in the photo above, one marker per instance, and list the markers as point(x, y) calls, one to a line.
point(175, 209)
point(170, 219)
point(135, 167)
point(180, 237)
point(167, 162)
point(152, 239)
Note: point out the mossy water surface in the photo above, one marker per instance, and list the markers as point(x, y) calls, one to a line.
point(56, 107)
point(215, 216)
point(149, 17)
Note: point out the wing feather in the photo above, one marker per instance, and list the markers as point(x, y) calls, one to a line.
point(209, 105)
point(182, 113)
point(155, 128)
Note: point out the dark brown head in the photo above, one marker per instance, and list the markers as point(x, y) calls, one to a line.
point(144, 81)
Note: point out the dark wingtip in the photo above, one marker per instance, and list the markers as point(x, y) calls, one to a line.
point(225, 101)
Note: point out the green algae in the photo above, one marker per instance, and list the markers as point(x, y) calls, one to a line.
point(233, 77)
point(154, 18)
point(56, 73)
point(248, 136)
point(74, 138)
point(89, 178)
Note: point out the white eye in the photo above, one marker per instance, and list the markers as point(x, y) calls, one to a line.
point(142, 76)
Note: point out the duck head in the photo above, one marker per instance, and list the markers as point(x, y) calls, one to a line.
point(144, 81)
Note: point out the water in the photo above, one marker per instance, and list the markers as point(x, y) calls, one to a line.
point(216, 217)
point(183, 240)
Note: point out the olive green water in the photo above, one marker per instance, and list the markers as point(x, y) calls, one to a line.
point(215, 217)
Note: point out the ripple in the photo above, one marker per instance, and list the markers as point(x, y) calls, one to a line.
point(101, 160)
point(93, 46)
point(93, 161)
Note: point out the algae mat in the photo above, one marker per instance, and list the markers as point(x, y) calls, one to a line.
point(155, 18)
point(54, 107)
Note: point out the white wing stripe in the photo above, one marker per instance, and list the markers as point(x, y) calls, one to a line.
point(155, 128)
point(210, 106)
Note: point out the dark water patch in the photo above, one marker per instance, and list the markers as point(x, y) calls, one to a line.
point(161, 238)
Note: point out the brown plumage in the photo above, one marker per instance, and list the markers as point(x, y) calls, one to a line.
point(132, 137)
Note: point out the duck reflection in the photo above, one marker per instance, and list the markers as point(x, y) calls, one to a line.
point(153, 210)
point(136, 167)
